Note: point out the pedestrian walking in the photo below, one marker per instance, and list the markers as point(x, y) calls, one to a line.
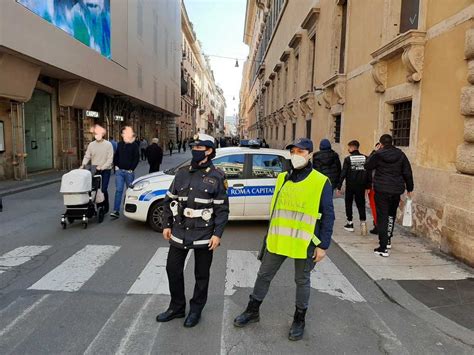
point(196, 210)
point(300, 195)
point(357, 182)
point(327, 162)
point(179, 146)
point(154, 154)
point(393, 175)
point(143, 147)
point(100, 153)
point(170, 147)
point(185, 142)
point(371, 195)
point(126, 159)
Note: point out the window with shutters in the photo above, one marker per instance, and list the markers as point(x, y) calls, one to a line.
point(401, 123)
point(409, 15)
point(342, 52)
point(337, 128)
point(140, 18)
point(308, 129)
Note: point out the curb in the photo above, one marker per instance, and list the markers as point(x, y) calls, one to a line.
point(13, 191)
point(396, 293)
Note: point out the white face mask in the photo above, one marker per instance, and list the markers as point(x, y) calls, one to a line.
point(298, 161)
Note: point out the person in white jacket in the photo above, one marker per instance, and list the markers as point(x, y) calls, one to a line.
point(100, 154)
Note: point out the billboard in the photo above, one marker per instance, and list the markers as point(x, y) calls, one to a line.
point(88, 21)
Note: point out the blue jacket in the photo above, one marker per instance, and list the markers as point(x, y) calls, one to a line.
point(324, 226)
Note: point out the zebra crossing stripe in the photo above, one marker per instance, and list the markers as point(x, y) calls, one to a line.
point(21, 255)
point(242, 267)
point(73, 273)
point(153, 279)
point(327, 278)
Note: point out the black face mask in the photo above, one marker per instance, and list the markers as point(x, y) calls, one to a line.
point(198, 155)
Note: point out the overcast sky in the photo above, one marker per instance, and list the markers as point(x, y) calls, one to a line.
point(219, 25)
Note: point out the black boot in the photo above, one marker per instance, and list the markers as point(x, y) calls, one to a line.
point(297, 328)
point(250, 315)
point(374, 230)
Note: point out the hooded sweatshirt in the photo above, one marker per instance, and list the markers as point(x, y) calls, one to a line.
point(393, 172)
point(327, 162)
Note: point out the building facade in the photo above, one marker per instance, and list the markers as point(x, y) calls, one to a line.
point(202, 101)
point(65, 66)
point(325, 69)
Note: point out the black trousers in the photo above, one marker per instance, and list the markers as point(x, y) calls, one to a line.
point(175, 268)
point(143, 153)
point(386, 205)
point(357, 193)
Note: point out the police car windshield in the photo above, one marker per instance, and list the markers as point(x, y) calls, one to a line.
point(173, 171)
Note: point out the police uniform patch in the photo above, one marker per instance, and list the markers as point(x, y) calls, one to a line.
point(210, 181)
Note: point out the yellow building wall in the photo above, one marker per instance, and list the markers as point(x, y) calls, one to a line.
point(439, 10)
point(441, 124)
point(324, 34)
point(361, 112)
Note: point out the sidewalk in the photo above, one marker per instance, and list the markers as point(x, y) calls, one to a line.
point(10, 187)
point(434, 286)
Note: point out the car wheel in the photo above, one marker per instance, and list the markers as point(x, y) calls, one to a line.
point(156, 216)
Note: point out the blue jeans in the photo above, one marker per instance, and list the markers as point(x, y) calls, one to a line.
point(122, 178)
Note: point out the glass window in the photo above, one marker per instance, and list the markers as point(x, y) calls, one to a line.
point(231, 165)
point(266, 166)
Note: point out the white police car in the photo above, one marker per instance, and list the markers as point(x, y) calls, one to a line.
point(251, 175)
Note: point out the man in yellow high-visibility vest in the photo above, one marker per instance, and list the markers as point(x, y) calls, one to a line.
point(300, 228)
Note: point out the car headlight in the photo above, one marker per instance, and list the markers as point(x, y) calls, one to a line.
point(141, 185)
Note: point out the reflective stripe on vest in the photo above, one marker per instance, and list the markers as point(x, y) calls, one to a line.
point(296, 213)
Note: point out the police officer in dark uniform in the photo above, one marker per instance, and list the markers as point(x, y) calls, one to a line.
point(196, 209)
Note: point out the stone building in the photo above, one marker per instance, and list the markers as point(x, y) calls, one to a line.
point(355, 69)
point(67, 66)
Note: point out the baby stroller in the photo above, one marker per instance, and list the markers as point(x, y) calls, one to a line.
point(81, 192)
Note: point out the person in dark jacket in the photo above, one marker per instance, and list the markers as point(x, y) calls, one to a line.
point(126, 159)
point(357, 181)
point(196, 210)
point(393, 175)
point(327, 162)
point(170, 147)
point(154, 153)
point(301, 173)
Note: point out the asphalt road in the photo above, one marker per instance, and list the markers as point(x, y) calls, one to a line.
point(98, 291)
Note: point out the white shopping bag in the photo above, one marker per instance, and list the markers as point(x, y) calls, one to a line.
point(99, 197)
point(408, 213)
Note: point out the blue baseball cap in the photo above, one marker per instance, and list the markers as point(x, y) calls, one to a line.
point(302, 143)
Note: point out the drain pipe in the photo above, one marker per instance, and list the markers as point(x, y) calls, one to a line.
point(23, 156)
point(13, 119)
